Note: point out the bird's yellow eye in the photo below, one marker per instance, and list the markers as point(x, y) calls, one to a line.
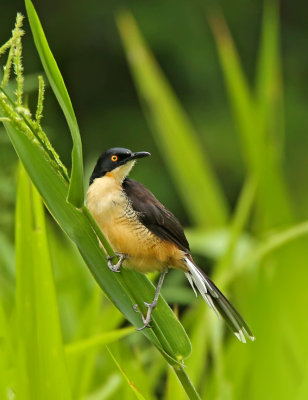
point(114, 158)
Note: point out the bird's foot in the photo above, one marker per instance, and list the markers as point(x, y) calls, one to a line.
point(146, 319)
point(116, 267)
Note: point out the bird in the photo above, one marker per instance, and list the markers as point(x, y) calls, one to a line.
point(146, 236)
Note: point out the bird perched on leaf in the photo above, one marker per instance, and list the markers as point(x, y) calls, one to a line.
point(146, 236)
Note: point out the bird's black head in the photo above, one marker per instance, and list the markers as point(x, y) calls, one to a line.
point(114, 158)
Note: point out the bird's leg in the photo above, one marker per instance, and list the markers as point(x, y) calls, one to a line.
point(147, 319)
point(116, 267)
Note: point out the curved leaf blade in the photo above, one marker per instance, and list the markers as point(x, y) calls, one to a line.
point(76, 188)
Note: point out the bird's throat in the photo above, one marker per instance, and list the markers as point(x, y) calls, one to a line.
point(121, 172)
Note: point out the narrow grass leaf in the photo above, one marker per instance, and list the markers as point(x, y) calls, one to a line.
point(76, 188)
point(107, 390)
point(5, 357)
point(274, 198)
point(238, 89)
point(258, 115)
point(130, 383)
point(6, 271)
point(173, 131)
point(186, 383)
point(82, 366)
point(132, 360)
point(238, 223)
point(268, 80)
point(199, 334)
point(82, 346)
point(6, 255)
point(174, 390)
point(41, 343)
point(27, 357)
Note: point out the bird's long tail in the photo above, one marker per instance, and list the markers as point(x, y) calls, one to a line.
point(217, 301)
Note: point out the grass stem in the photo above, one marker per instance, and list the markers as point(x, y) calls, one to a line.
point(187, 384)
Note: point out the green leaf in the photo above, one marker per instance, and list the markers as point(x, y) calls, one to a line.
point(41, 351)
point(238, 89)
point(7, 269)
point(93, 342)
point(76, 188)
point(130, 383)
point(259, 116)
point(268, 79)
point(174, 389)
point(5, 356)
point(82, 366)
point(107, 389)
point(238, 224)
point(199, 333)
point(173, 131)
point(269, 110)
point(186, 383)
point(133, 360)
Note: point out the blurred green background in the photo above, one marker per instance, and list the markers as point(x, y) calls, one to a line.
point(271, 291)
point(91, 58)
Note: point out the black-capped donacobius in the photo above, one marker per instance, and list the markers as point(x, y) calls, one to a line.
point(145, 235)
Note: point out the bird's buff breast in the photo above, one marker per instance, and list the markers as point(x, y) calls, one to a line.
point(126, 234)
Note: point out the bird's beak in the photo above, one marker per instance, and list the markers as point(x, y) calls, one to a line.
point(139, 154)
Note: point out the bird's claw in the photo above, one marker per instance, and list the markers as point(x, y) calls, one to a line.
point(135, 308)
point(145, 319)
point(150, 306)
point(116, 267)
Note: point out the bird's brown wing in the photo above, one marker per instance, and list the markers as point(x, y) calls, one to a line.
point(154, 215)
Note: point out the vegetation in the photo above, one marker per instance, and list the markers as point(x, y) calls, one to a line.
point(61, 333)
